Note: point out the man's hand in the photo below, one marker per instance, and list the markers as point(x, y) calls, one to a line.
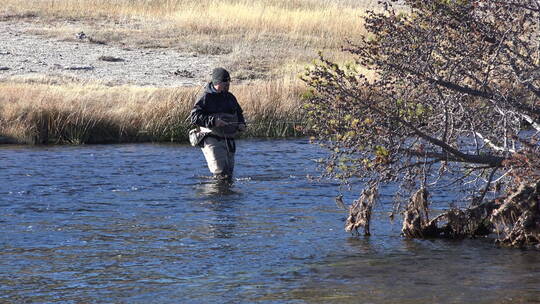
point(241, 127)
point(220, 123)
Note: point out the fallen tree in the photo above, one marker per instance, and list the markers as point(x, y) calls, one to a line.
point(452, 100)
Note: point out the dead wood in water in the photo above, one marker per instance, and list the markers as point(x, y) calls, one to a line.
point(518, 217)
point(515, 218)
point(455, 223)
point(416, 222)
point(360, 210)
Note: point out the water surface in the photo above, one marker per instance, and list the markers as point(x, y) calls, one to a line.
point(142, 224)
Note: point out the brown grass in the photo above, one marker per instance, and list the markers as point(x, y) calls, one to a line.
point(36, 111)
point(258, 38)
point(264, 41)
point(325, 19)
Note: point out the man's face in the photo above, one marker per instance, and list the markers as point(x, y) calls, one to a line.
point(222, 86)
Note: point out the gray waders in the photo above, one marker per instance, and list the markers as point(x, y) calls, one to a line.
point(219, 147)
point(219, 155)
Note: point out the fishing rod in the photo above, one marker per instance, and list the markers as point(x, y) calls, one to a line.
point(261, 123)
point(249, 122)
point(188, 119)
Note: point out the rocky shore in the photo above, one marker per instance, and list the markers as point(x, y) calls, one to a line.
point(24, 55)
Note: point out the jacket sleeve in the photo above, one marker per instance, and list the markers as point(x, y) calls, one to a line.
point(199, 115)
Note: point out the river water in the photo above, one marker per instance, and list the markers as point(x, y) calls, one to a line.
point(142, 224)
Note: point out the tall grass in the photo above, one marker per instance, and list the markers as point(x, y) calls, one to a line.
point(328, 21)
point(258, 39)
point(255, 38)
point(85, 113)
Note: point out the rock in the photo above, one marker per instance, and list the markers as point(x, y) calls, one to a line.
point(184, 73)
point(81, 36)
point(79, 68)
point(96, 41)
point(110, 59)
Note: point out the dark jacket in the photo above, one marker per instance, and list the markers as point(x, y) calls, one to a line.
point(212, 103)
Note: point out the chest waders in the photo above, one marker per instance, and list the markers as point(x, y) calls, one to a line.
point(219, 146)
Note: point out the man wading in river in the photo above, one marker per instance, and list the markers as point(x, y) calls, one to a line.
point(220, 117)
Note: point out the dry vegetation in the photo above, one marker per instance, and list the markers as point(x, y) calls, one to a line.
point(265, 43)
point(259, 38)
point(53, 110)
point(327, 20)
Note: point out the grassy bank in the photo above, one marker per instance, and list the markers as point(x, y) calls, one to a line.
point(330, 21)
point(37, 111)
point(264, 43)
point(325, 19)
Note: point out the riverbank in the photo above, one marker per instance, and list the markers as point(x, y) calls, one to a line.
point(58, 111)
point(255, 39)
point(167, 43)
point(75, 72)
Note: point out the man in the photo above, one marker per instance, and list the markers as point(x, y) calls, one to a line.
point(218, 114)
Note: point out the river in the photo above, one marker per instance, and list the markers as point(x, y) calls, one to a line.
point(141, 223)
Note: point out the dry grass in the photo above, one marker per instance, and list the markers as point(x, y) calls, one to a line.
point(61, 111)
point(257, 38)
point(325, 19)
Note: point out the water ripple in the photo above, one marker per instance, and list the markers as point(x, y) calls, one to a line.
point(145, 224)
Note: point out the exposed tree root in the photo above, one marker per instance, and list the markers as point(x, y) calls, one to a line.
point(516, 219)
point(416, 222)
point(360, 210)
